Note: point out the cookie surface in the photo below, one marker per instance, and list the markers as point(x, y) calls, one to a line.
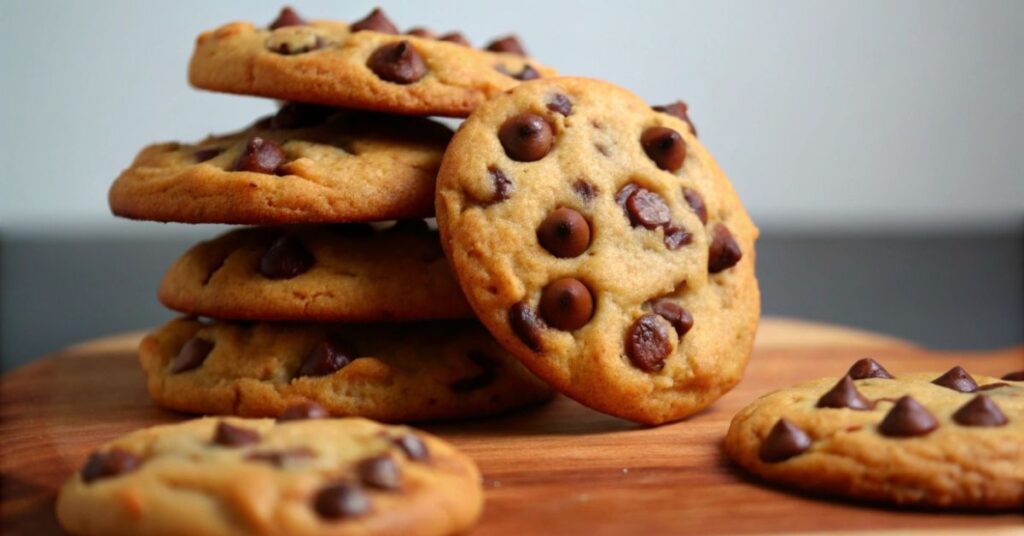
point(234, 476)
point(306, 164)
point(927, 439)
point(600, 243)
point(326, 273)
point(388, 372)
point(366, 65)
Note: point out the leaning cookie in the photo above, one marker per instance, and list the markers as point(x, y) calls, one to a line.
point(601, 244)
point(388, 372)
point(366, 65)
point(306, 164)
point(324, 273)
point(929, 439)
point(256, 476)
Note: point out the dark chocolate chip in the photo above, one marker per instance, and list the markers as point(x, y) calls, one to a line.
point(784, 441)
point(327, 357)
point(300, 115)
point(286, 258)
point(398, 63)
point(413, 447)
point(649, 342)
point(559, 103)
point(868, 368)
point(1017, 376)
point(113, 462)
point(287, 17)
point(980, 411)
point(380, 472)
point(260, 156)
point(503, 186)
point(488, 373)
point(565, 233)
point(585, 189)
point(202, 155)
point(191, 355)
point(648, 209)
point(526, 137)
point(665, 146)
point(696, 203)
point(280, 458)
point(455, 37)
point(676, 315)
point(526, 325)
point(724, 252)
point(509, 45)
point(376, 21)
point(566, 304)
point(227, 435)
point(302, 411)
point(680, 110)
point(957, 379)
point(907, 418)
point(623, 195)
point(421, 32)
point(844, 395)
point(677, 237)
point(340, 501)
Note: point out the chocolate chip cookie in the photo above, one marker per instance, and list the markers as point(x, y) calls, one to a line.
point(601, 244)
point(232, 476)
point(935, 439)
point(389, 372)
point(364, 65)
point(306, 164)
point(323, 273)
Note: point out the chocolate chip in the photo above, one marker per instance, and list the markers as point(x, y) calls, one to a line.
point(560, 104)
point(376, 21)
point(380, 472)
point(724, 252)
point(980, 411)
point(868, 368)
point(680, 110)
point(503, 186)
point(586, 190)
point(784, 441)
point(286, 258)
point(565, 233)
point(413, 447)
point(294, 43)
point(1017, 376)
point(696, 203)
point(455, 37)
point(202, 155)
point(526, 325)
point(227, 435)
point(114, 462)
point(191, 355)
point(280, 458)
point(300, 115)
point(421, 32)
point(488, 373)
point(624, 194)
point(648, 342)
point(398, 63)
point(677, 237)
point(260, 156)
point(675, 314)
point(303, 411)
point(957, 379)
point(340, 501)
point(327, 357)
point(566, 304)
point(665, 146)
point(844, 395)
point(509, 45)
point(907, 418)
point(527, 73)
point(647, 208)
point(526, 137)
point(287, 17)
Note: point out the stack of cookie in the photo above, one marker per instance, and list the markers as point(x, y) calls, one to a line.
point(313, 306)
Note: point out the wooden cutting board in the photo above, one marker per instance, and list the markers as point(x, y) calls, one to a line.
point(558, 469)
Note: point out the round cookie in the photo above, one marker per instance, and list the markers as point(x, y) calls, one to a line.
point(926, 439)
point(232, 476)
point(325, 273)
point(306, 164)
point(601, 244)
point(366, 65)
point(426, 371)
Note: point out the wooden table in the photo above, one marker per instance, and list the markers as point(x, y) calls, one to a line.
point(558, 469)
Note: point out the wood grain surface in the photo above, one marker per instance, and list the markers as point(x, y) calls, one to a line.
point(557, 469)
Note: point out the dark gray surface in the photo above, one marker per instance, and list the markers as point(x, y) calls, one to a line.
point(944, 291)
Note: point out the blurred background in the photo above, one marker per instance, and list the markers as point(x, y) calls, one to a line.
point(876, 143)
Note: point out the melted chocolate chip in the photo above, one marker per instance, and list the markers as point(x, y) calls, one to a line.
point(509, 45)
point(724, 252)
point(376, 21)
point(300, 115)
point(526, 137)
point(191, 355)
point(260, 156)
point(1017, 376)
point(560, 104)
point(564, 233)
point(696, 203)
point(566, 304)
point(980, 411)
point(647, 208)
point(675, 314)
point(227, 435)
point(680, 110)
point(112, 463)
point(677, 237)
point(340, 501)
point(327, 357)
point(957, 379)
point(586, 190)
point(868, 368)
point(303, 411)
point(398, 63)
point(526, 325)
point(488, 373)
point(784, 441)
point(907, 418)
point(455, 37)
point(202, 155)
point(844, 395)
point(503, 186)
point(380, 472)
point(648, 343)
point(280, 458)
point(287, 17)
point(527, 73)
point(665, 146)
point(413, 447)
point(286, 258)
